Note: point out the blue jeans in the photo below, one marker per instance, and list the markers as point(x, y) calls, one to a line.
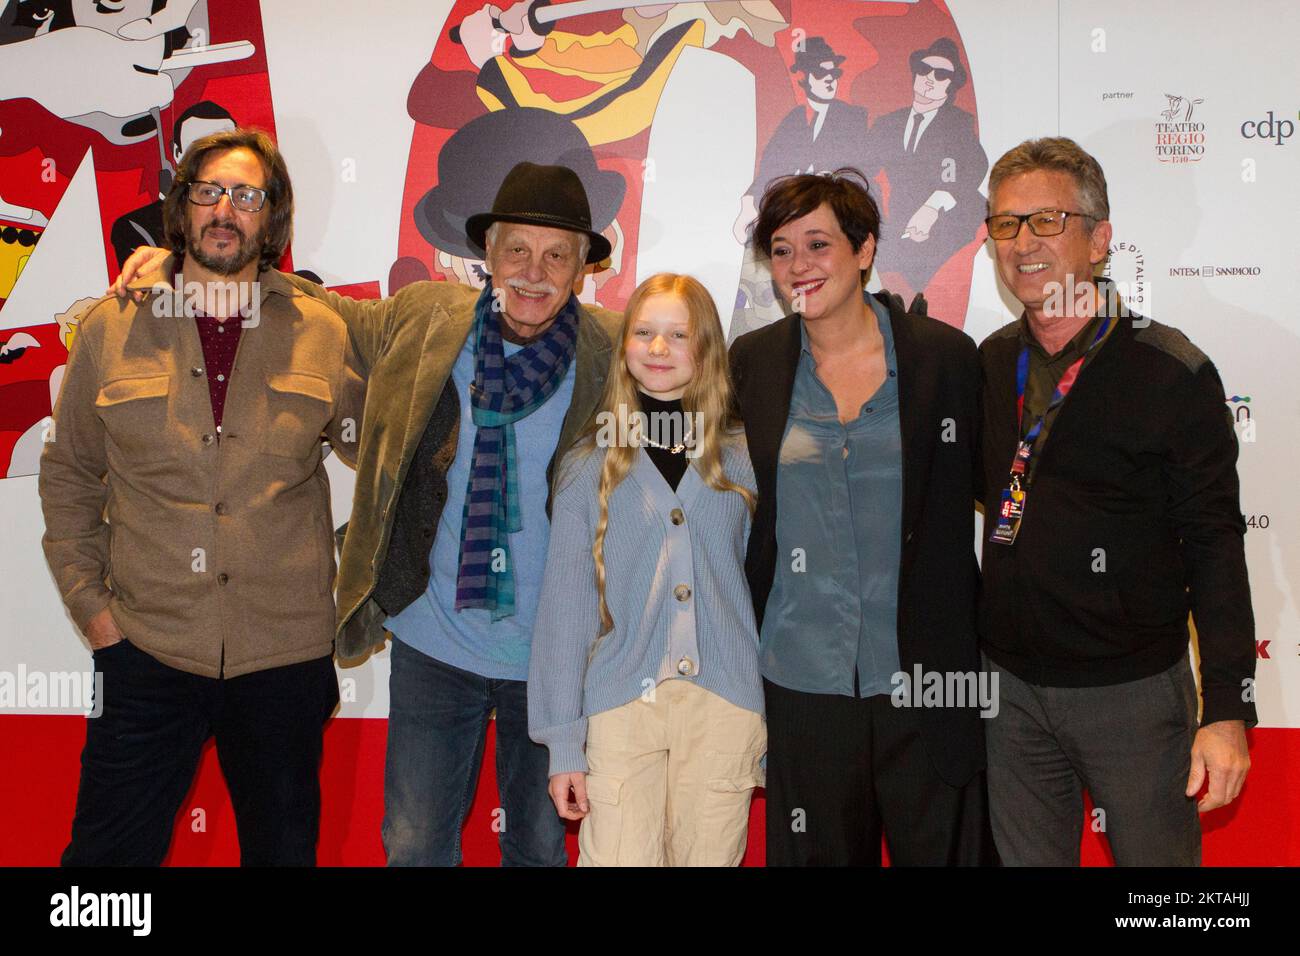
point(437, 720)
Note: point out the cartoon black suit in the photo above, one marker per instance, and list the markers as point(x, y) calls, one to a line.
point(808, 142)
point(946, 159)
point(934, 164)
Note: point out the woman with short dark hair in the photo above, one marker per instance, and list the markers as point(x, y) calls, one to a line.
point(862, 426)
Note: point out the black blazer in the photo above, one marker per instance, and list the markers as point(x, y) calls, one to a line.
point(939, 415)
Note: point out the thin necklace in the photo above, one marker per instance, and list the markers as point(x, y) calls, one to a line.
point(673, 449)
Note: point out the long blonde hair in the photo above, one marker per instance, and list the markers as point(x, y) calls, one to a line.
point(708, 393)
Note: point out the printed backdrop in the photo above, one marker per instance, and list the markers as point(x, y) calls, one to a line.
point(398, 125)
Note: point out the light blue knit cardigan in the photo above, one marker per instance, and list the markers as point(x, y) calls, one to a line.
point(657, 621)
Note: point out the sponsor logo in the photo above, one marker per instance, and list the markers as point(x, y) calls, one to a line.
point(1239, 405)
point(1179, 136)
point(1277, 131)
point(1126, 268)
point(1212, 272)
point(1243, 423)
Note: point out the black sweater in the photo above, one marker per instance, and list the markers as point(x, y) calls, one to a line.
point(1133, 519)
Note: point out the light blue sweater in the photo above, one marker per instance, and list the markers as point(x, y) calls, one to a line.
point(469, 638)
point(676, 592)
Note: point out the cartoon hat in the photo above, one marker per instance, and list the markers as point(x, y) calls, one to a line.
point(816, 52)
point(946, 48)
point(527, 165)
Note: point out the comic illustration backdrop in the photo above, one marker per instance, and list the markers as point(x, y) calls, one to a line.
point(398, 121)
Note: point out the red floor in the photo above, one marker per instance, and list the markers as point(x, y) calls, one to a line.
point(39, 757)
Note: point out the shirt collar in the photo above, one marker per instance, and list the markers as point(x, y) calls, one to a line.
point(882, 319)
point(1082, 339)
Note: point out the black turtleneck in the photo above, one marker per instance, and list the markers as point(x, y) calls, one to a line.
point(671, 466)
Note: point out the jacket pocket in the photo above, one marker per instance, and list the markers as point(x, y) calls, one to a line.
point(298, 407)
point(134, 413)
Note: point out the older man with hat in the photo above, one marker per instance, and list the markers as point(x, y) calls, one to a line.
point(473, 395)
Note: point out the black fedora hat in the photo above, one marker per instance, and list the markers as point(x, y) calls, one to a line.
point(816, 51)
point(477, 162)
point(946, 48)
point(540, 196)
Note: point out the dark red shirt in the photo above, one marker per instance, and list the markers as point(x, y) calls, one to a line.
point(220, 338)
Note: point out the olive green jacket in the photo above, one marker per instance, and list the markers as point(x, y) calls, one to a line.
point(407, 345)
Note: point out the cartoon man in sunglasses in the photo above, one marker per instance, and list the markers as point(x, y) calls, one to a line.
point(820, 137)
point(931, 155)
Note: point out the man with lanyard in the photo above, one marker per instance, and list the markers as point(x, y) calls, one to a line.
point(1112, 510)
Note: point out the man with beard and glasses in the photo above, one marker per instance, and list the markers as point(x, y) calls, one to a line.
point(188, 526)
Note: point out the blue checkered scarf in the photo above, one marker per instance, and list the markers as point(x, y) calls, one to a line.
point(503, 392)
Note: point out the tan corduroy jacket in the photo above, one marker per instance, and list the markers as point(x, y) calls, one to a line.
point(207, 549)
point(407, 345)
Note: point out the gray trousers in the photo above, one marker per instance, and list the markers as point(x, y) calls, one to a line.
point(1128, 744)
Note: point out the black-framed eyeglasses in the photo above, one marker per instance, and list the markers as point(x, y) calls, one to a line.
point(243, 197)
point(939, 75)
point(1045, 222)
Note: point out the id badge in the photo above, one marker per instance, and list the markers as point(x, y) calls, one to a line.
point(1022, 459)
point(1011, 510)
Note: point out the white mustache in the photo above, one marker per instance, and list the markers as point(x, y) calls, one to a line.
point(535, 289)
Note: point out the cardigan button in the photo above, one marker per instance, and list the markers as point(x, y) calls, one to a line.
point(209, 439)
point(196, 371)
point(223, 578)
point(221, 508)
point(682, 592)
point(686, 667)
point(676, 516)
